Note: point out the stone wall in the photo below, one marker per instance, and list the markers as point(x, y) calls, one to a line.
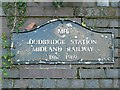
point(102, 16)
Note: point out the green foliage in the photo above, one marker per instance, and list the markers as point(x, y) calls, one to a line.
point(57, 3)
point(7, 57)
point(16, 14)
point(83, 24)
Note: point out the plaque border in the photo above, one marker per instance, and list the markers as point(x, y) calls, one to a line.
point(78, 62)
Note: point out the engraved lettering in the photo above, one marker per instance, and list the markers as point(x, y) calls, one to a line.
point(39, 49)
point(63, 31)
point(55, 49)
point(53, 57)
point(71, 57)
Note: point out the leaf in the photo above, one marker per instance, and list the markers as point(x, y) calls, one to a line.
point(4, 63)
point(83, 24)
point(5, 74)
point(5, 56)
point(9, 60)
point(0, 79)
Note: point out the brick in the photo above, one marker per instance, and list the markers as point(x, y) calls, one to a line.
point(50, 4)
point(92, 73)
point(50, 11)
point(97, 12)
point(47, 73)
point(114, 23)
point(89, 12)
point(21, 83)
point(7, 83)
point(91, 84)
point(88, 4)
point(63, 83)
point(103, 23)
point(39, 4)
point(117, 32)
point(112, 73)
point(102, 2)
point(4, 22)
point(35, 83)
point(63, 11)
point(106, 83)
point(90, 22)
point(116, 62)
point(77, 83)
point(49, 83)
point(12, 73)
point(116, 83)
point(117, 43)
point(107, 23)
point(114, 4)
point(36, 11)
point(117, 52)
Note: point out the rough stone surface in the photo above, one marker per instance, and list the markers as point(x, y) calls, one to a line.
point(97, 12)
point(91, 84)
point(92, 73)
point(103, 23)
point(106, 83)
point(7, 83)
point(21, 83)
point(117, 52)
point(112, 73)
point(77, 83)
point(12, 73)
point(49, 11)
point(47, 73)
point(102, 2)
point(114, 4)
point(116, 83)
point(63, 83)
point(114, 23)
point(49, 83)
point(35, 83)
point(88, 4)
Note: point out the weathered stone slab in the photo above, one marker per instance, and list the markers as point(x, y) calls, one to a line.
point(77, 83)
point(91, 84)
point(117, 52)
point(92, 73)
point(49, 83)
point(47, 73)
point(63, 83)
point(113, 73)
point(108, 83)
point(21, 83)
point(7, 83)
point(12, 73)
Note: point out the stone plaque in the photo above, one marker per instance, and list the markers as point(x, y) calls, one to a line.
point(62, 42)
